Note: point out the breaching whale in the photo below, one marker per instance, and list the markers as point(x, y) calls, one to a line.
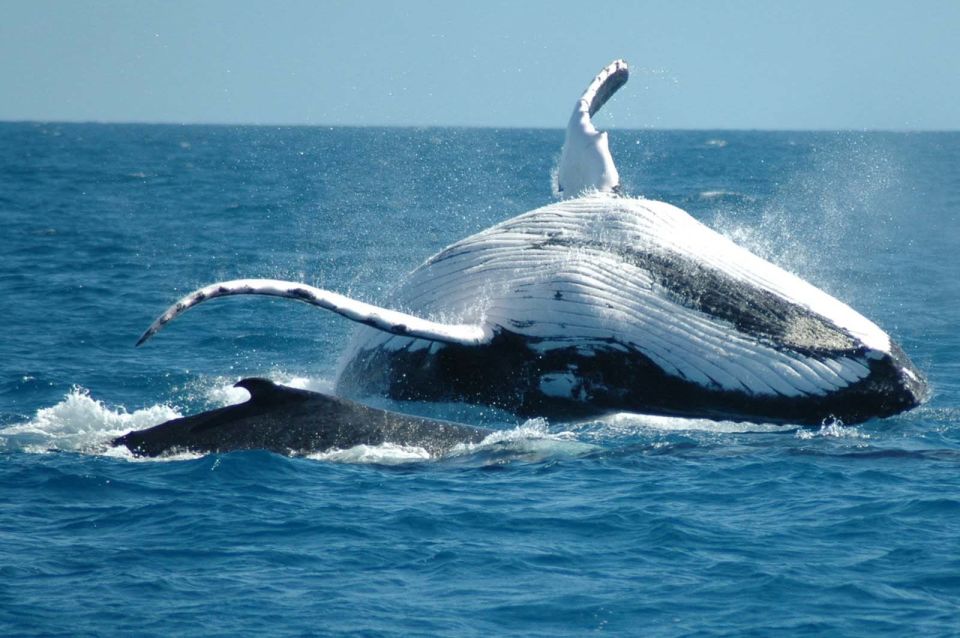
point(289, 420)
point(602, 302)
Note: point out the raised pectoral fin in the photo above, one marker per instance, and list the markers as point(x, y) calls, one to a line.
point(392, 321)
point(607, 82)
point(585, 161)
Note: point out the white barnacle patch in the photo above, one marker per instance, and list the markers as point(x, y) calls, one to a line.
point(805, 332)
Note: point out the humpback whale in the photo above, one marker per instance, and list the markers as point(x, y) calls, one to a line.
point(288, 420)
point(602, 302)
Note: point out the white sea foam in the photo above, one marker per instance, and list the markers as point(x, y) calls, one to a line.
point(80, 423)
point(531, 440)
point(122, 452)
point(833, 429)
point(628, 423)
point(383, 454)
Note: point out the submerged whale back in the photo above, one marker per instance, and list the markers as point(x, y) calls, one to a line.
point(586, 283)
point(289, 420)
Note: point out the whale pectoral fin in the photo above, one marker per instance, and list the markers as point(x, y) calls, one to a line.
point(585, 162)
point(392, 321)
point(607, 82)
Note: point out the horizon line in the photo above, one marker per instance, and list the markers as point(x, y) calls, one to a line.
point(468, 126)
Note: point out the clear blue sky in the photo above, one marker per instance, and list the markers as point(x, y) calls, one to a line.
point(806, 64)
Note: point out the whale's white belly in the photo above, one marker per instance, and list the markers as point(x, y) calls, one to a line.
point(603, 272)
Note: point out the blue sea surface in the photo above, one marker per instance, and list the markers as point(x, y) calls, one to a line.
point(627, 525)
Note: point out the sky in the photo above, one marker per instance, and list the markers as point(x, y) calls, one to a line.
point(748, 64)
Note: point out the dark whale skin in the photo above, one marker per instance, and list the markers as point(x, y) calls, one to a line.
point(291, 421)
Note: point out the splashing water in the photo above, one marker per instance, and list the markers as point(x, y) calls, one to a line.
point(825, 214)
point(833, 429)
point(80, 423)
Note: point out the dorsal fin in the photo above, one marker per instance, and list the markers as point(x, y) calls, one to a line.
point(258, 388)
point(585, 162)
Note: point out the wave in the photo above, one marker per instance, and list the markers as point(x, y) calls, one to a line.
point(726, 196)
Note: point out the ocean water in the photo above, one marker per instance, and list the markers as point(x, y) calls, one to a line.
point(630, 524)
